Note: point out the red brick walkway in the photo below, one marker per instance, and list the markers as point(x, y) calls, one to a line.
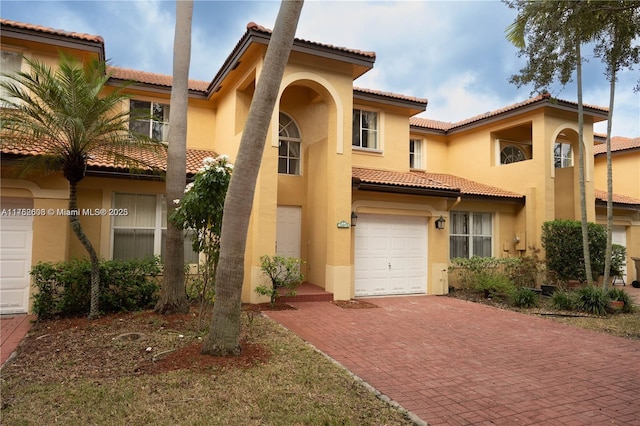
point(13, 328)
point(452, 362)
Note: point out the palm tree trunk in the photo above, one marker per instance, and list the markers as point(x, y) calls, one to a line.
point(76, 226)
point(609, 249)
point(173, 297)
point(581, 148)
point(224, 334)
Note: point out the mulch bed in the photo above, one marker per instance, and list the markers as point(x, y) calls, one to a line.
point(123, 345)
point(259, 307)
point(354, 304)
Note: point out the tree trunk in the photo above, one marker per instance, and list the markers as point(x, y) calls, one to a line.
point(581, 148)
point(609, 249)
point(76, 226)
point(224, 334)
point(173, 296)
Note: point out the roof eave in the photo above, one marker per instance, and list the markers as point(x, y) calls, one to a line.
point(398, 189)
point(618, 151)
point(54, 39)
point(545, 102)
point(415, 107)
point(620, 206)
point(153, 88)
point(361, 63)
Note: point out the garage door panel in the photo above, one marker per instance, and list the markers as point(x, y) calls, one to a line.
point(390, 255)
point(15, 262)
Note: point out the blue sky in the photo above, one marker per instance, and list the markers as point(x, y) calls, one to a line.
point(453, 53)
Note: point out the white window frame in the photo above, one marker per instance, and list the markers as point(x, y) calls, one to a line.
point(563, 158)
point(10, 52)
point(289, 133)
point(357, 137)
point(159, 226)
point(153, 124)
point(469, 233)
point(416, 153)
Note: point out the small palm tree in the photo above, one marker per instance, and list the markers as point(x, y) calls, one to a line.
point(67, 117)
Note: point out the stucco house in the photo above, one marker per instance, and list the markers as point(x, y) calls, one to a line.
point(375, 199)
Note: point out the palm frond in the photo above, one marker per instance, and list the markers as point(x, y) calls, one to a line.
point(70, 114)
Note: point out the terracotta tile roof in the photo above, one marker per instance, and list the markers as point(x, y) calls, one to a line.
point(437, 181)
point(255, 27)
point(153, 78)
point(430, 124)
point(149, 160)
point(410, 179)
point(618, 143)
point(617, 198)
point(438, 125)
point(46, 30)
point(471, 187)
point(390, 95)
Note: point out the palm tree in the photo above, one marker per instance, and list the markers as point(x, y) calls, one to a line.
point(68, 116)
point(224, 334)
point(173, 297)
point(621, 25)
point(550, 35)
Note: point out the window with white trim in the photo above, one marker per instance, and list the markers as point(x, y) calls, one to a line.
point(365, 129)
point(289, 146)
point(10, 63)
point(415, 153)
point(562, 155)
point(470, 234)
point(141, 232)
point(155, 123)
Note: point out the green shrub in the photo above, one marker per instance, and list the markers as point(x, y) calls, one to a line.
point(470, 270)
point(562, 240)
point(623, 296)
point(128, 285)
point(493, 284)
point(523, 297)
point(618, 260)
point(592, 299)
point(64, 288)
point(562, 300)
point(526, 271)
point(282, 272)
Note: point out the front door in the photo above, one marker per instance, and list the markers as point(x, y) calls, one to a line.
point(288, 231)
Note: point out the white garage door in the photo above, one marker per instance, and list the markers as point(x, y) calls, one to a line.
point(15, 262)
point(390, 255)
point(619, 236)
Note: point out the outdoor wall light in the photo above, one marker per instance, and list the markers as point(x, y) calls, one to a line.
point(354, 218)
point(440, 223)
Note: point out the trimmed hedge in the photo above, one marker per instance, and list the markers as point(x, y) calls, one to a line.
point(562, 241)
point(64, 288)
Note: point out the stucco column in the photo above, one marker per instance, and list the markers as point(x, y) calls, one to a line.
point(338, 276)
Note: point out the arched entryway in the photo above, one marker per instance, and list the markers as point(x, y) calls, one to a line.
point(566, 175)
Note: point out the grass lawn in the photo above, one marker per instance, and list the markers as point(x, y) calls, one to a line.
point(141, 368)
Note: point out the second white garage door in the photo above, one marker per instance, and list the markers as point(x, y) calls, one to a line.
point(390, 255)
point(15, 258)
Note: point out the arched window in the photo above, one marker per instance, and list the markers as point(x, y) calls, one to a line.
point(511, 154)
point(289, 152)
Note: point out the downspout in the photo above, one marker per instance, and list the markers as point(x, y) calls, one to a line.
point(458, 200)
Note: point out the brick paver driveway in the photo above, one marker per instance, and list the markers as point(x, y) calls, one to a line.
point(450, 361)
